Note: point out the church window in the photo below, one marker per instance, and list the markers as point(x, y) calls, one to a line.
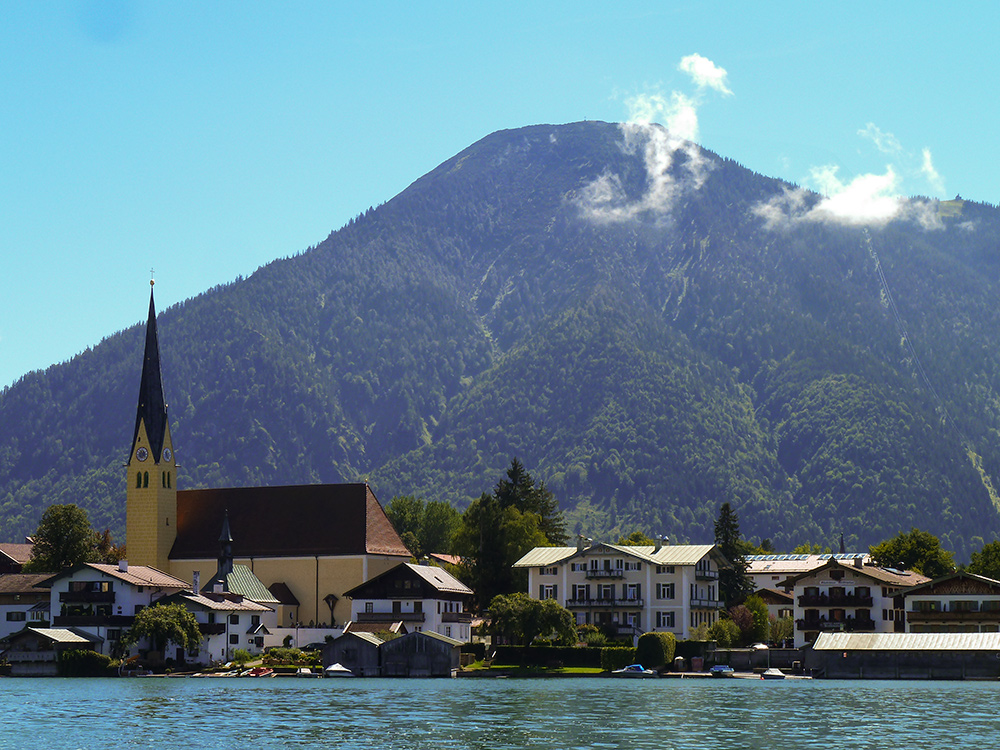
point(138, 479)
point(145, 479)
point(168, 480)
point(163, 479)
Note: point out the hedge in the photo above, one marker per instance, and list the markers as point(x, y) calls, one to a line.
point(613, 658)
point(543, 656)
point(655, 650)
point(83, 662)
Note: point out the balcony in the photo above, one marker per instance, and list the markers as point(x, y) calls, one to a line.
point(456, 617)
point(825, 600)
point(605, 573)
point(706, 603)
point(850, 625)
point(706, 575)
point(989, 615)
point(391, 616)
point(87, 597)
point(607, 603)
point(92, 621)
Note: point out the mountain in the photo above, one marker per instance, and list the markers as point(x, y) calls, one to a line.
point(651, 328)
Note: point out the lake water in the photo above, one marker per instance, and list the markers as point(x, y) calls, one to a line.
point(496, 713)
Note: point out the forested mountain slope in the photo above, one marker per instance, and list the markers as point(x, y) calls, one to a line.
point(652, 329)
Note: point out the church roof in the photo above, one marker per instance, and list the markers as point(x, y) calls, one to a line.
point(291, 521)
point(152, 408)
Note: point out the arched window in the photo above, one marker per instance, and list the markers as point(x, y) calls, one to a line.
point(163, 479)
point(145, 479)
point(138, 479)
point(168, 480)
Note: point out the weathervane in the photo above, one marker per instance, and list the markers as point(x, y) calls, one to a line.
point(151, 279)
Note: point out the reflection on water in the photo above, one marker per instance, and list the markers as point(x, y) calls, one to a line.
point(486, 713)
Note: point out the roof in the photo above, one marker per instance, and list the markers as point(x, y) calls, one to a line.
point(220, 603)
point(887, 576)
point(291, 521)
point(59, 635)
point(136, 575)
point(417, 634)
point(359, 628)
point(668, 554)
point(18, 553)
point(773, 596)
point(283, 594)
point(437, 578)
point(23, 583)
point(446, 559)
point(791, 564)
point(959, 579)
point(152, 408)
point(243, 581)
point(365, 636)
point(907, 642)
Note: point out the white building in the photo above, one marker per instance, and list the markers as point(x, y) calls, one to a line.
point(955, 603)
point(102, 600)
point(422, 597)
point(227, 622)
point(23, 603)
point(769, 571)
point(630, 590)
point(849, 596)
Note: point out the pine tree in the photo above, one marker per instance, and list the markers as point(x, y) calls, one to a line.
point(734, 586)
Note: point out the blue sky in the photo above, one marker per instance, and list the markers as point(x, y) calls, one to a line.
point(204, 140)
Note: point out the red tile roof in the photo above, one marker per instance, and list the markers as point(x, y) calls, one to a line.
point(292, 521)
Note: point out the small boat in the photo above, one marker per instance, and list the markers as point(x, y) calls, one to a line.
point(773, 673)
point(337, 670)
point(306, 672)
point(722, 670)
point(259, 672)
point(634, 670)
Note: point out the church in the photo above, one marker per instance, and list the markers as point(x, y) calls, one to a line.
point(308, 544)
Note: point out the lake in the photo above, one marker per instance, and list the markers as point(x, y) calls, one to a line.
point(495, 713)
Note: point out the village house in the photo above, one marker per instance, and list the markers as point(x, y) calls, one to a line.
point(630, 590)
point(956, 603)
point(23, 602)
point(34, 652)
point(13, 556)
point(103, 600)
point(769, 571)
point(425, 598)
point(850, 596)
point(227, 622)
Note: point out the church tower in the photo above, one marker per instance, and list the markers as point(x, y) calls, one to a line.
point(151, 473)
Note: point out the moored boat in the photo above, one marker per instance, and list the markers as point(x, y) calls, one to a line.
point(722, 670)
point(773, 673)
point(634, 670)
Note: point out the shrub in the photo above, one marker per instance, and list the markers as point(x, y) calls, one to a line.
point(655, 650)
point(279, 656)
point(241, 656)
point(82, 662)
point(613, 658)
point(725, 633)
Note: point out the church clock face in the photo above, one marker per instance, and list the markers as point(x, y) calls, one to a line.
point(142, 453)
point(167, 454)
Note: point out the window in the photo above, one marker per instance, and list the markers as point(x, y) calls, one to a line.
point(547, 591)
point(581, 591)
point(837, 575)
point(114, 634)
point(633, 565)
point(234, 639)
point(633, 591)
point(234, 619)
point(145, 479)
point(606, 591)
point(16, 617)
point(138, 480)
point(550, 571)
point(665, 569)
point(255, 620)
point(664, 619)
point(664, 591)
point(211, 618)
point(578, 566)
point(447, 630)
point(369, 606)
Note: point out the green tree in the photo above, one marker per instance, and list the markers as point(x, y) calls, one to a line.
point(811, 549)
point(519, 490)
point(521, 619)
point(423, 527)
point(986, 562)
point(63, 539)
point(914, 550)
point(636, 539)
point(782, 629)
point(725, 633)
point(107, 551)
point(163, 624)
point(758, 632)
point(734, 586)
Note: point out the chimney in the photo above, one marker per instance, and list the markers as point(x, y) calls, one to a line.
point(659, 543)
point(581, 542)
point(123, 566)
point(196, 581)
point(859, 561)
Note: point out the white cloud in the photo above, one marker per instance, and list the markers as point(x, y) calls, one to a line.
point(887, 143)
point(866, 200)
point(667, 176)
point(927, 167)
point(705, 73)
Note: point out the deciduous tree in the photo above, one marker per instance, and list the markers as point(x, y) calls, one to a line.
point(163, 624)
point(914, 550)
point(63, 539)
point(986, 562)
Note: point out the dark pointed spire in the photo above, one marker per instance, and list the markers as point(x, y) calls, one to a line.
point(152, 408)
point(225, 551)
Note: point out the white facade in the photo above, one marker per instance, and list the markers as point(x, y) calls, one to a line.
point(228, 622)
point(102, 600)
point(630, 590)
point(956, 603)
point(22, 604)
point(422, 597)
point(849, 597)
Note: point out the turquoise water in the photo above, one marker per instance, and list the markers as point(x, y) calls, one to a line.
point(489, 713)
